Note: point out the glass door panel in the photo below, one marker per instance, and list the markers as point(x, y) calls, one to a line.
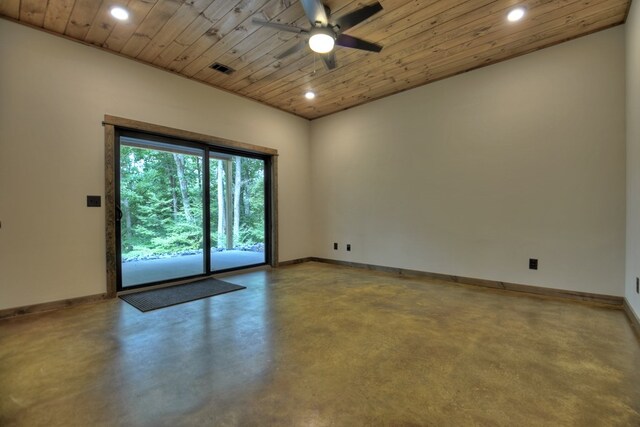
point(161, 211)
point(237, 211)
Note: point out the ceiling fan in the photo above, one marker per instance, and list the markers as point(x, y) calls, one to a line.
point(327, 31)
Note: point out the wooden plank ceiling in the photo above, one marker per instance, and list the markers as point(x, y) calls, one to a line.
point(423, 40)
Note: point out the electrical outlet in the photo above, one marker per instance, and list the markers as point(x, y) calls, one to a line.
point(533, 264)
point(93, 201)
point(335, 246)
point(348, 247)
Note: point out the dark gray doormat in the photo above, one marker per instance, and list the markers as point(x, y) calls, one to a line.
point(172, 295)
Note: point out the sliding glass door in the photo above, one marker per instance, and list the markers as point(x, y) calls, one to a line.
point(180, 216)
point(237, 200)
point(161, 211)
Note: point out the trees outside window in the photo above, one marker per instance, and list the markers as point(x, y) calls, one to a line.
point(161, 198)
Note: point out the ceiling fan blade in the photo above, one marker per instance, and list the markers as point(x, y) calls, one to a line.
point(281, 27)
point(293, 49)
point(315, 11)
point(357, 16)
point(329, 60)
point(356, 43)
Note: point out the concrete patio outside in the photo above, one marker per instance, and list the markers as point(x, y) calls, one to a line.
point(159, 269)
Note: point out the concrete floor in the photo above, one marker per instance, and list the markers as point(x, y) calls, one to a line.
point(157, 270)
point(320, 345)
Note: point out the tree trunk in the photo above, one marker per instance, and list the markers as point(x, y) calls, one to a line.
point(179, 159)
point(127, 216)
point(199, 174)
point(221, 209)
point(175, 198)
point(228, 203)
point(237, 187)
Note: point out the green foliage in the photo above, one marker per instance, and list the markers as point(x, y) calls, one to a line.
point(161, 199)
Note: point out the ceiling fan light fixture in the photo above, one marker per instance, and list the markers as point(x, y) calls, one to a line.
point(321, 40)
point(309, 95)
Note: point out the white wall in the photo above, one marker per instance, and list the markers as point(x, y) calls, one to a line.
point(475, 174)
point(633, 156)
point(54, 94)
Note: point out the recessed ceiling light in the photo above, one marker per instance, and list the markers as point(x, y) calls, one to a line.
point(119, 13)
point(516, 14)
point(309, 95)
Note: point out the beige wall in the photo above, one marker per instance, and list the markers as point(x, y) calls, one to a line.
point(53, 96)
point(633, 155)
point(475, 174)
point(470, 176)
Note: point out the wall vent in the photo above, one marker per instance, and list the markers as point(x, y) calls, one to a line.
point(222, 68)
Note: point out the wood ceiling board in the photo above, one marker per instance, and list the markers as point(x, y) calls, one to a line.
point(251, 54)
point(353, 61)
point(57, 15)
point(82, 15)
point(351, 56)
point(264, 67)
point(251, 51)
point(222, 27)
point(10, 8)
point(33, 11)
point(244, 29)
point(263, 43)
point(423, 40)
point(184, 16)
point(157, 17)
point(103, 24)
point(138, 11)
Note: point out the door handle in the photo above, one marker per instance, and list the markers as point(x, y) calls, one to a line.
point(118, 213)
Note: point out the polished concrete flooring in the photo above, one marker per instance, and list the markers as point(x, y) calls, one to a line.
point(320, 345)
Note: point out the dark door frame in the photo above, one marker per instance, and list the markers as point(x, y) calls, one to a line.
point(116, 126)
